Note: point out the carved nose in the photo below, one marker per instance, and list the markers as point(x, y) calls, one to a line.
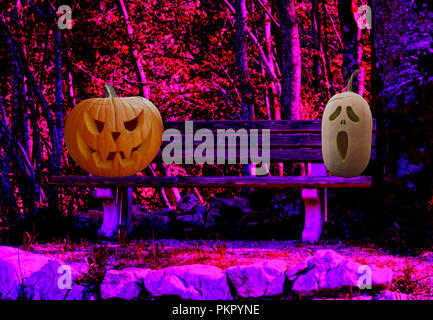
point(115, 135)
point(343, 122)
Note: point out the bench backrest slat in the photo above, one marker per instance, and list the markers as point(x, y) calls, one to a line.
point(285, 140)
point(273, 125)
point(281, 155)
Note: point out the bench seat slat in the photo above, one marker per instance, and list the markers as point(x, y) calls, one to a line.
point(206, 182)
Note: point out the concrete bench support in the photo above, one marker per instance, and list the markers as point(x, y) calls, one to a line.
point(117, 204)
point(315, 205)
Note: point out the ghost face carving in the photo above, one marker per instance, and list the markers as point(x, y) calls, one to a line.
point(346, 134)
point(113, 137)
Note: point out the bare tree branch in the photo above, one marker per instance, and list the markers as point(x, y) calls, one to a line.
point(138, 65)
point(269, 13)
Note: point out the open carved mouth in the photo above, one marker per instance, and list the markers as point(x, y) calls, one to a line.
point(342, 144)
point(107, 163)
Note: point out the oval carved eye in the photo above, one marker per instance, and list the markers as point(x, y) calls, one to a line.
point(351, 114)
point(335, 114)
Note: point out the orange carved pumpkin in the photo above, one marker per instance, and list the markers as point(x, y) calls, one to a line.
point(113, 137)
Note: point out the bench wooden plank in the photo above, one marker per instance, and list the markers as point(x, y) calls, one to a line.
point(207, 182)
point(279, 155)
point(273, 125)
point(278, 140)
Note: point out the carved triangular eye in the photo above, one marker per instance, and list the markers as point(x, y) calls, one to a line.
point(99, 125)
point(131, 125)
point(351, 114)
point(335, 114)
point(94, 126)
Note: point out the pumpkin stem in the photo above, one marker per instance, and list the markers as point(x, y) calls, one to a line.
point(109, 91)
point(349, 84)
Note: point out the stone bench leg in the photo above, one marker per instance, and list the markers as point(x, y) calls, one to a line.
point(315, 206)
point(117, 212)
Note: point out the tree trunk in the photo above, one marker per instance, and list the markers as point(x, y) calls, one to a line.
point(324, 46)
point(57, 145)
point(352, 53)
point(244, 79)
point(290, 60)
point(58, 78)
point(272, 93)
point(6, 192)
point(268, 89)
point(135, 56)
point(15, 133)
point(359, 50)
point(317, 71)
point(243, 74)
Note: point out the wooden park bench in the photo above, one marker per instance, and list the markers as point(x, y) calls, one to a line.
point(290, 142)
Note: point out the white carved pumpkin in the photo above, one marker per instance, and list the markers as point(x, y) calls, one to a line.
point(346, 133)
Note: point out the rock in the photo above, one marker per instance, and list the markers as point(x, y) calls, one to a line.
point(381, 277)
point(78, 292)
point(191, 220)
point(8, 282)
point(201, 210)
point(191, 224)
point(146, 222)
point(260, 279)
point(191, 282)
point(26, 263)
point(391, 295)
point(344, 275)
point(88, 222)
point(212, 218)
point(195, 220)
point(233, 216)
point(166, 212)
point(361, 297)
point(306, 285)
point(293, 272)
point(79, 268)
point(187, 203)
point(51, 282)
point(223, 203)
point(16, 266)
point(330, 271)
point(124, 284)
point(36, 277)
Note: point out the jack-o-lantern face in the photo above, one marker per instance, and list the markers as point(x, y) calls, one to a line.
point(113, 137)
point(346, 134)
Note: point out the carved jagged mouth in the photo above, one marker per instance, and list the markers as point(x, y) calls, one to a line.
point(111, 155)
point(107, 163)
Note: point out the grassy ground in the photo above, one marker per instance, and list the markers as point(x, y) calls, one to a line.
point(412, 275)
